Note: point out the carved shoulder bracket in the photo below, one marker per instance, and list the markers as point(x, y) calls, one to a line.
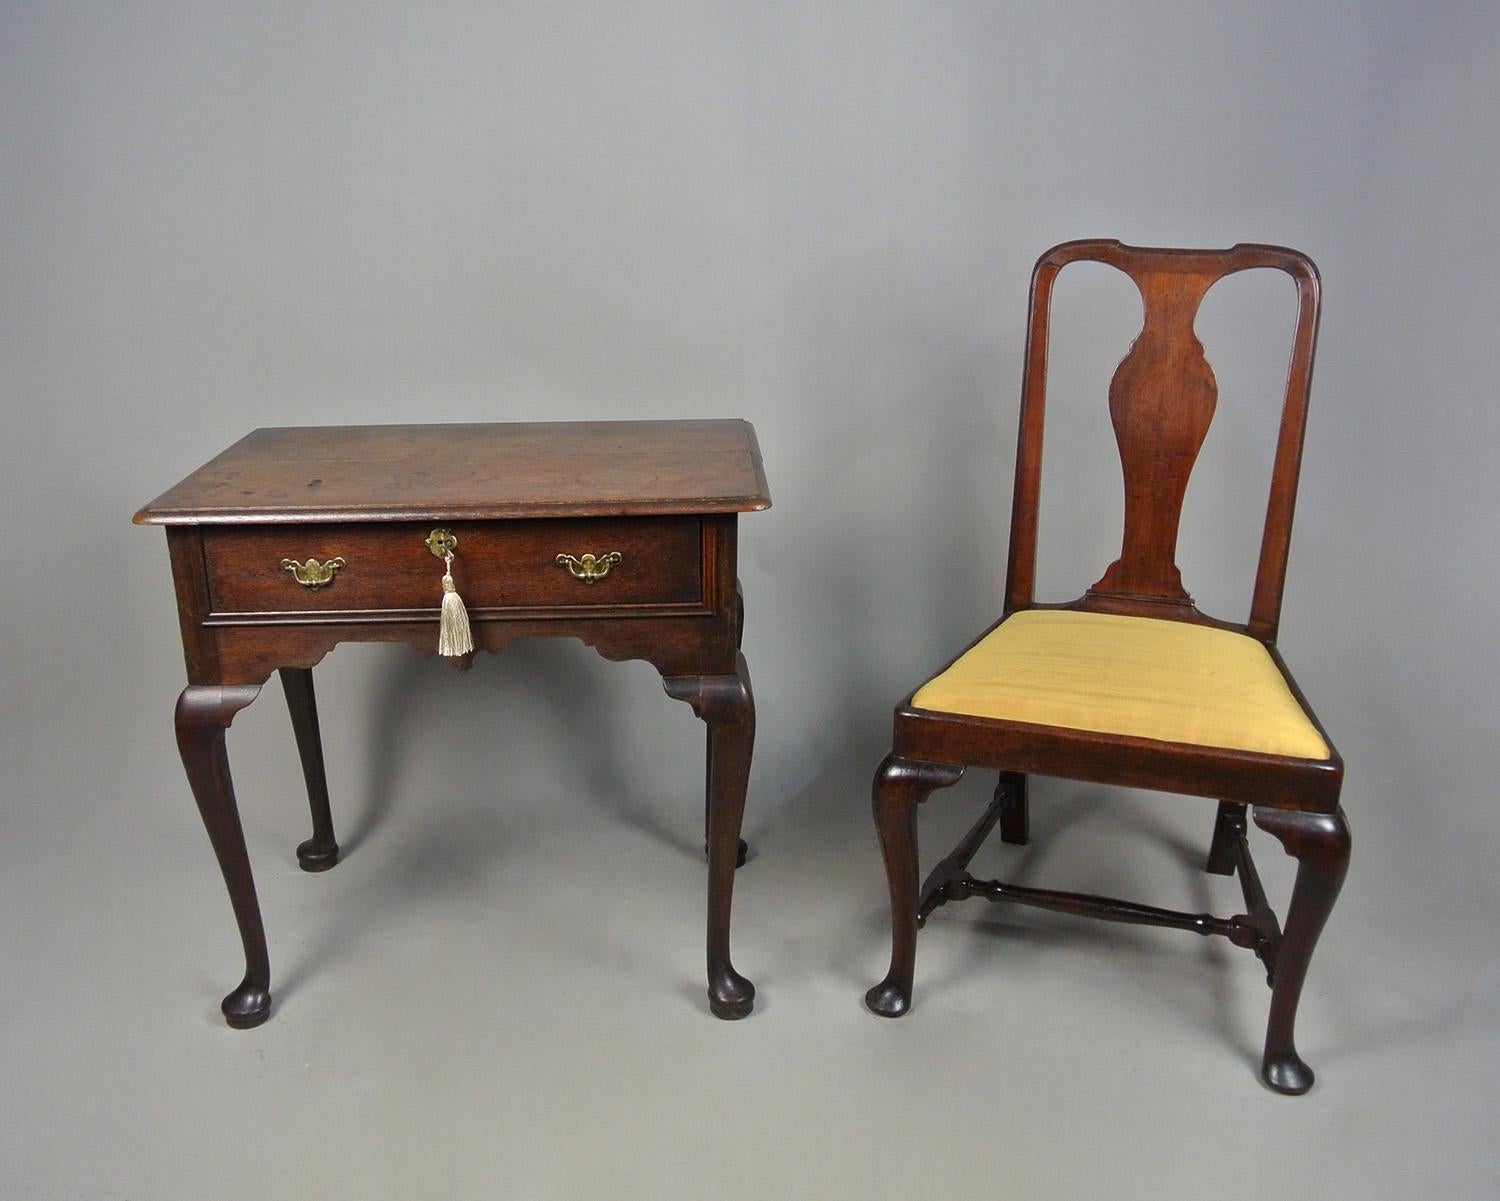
point(213, 705)
point(716, 698)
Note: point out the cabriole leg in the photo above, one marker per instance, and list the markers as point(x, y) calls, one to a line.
point(726, 705)
point(1320, 842)
point(739, 636)
point(203, 715)
point(321, 851)
point(900, 786)
point(742, 851)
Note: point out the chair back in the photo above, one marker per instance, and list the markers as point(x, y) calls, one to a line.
point(1161, 400)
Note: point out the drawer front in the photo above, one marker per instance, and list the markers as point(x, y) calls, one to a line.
point(497, 565)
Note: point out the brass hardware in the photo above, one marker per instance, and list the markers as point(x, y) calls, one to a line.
point(442, 543)
point(313, 574)
point(589, 568)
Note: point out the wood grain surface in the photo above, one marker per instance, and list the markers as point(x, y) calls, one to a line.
point(472, 472)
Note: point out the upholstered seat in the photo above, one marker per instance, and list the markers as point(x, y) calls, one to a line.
point(1168, 680)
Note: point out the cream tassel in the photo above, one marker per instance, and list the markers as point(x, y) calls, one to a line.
point(454, 637)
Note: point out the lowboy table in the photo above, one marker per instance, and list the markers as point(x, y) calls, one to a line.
point(621, 534)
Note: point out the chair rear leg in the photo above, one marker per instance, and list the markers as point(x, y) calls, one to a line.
point(1320, 842)
point(900, 786)
point(1228, 826)
point(1015, 811)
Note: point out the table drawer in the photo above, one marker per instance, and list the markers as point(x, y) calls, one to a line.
point(497, 565)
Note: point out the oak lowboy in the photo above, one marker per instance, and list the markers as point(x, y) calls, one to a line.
point(622, 534)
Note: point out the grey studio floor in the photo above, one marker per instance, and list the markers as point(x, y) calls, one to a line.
point(499, 991)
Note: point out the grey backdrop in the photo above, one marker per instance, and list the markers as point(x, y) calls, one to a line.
point(819, 217)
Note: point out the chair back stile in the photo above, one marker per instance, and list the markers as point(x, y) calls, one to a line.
point(1161, 400)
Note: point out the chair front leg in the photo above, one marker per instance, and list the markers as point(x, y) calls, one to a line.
point(1320, 842)
point(321, 851)
point(900, 786)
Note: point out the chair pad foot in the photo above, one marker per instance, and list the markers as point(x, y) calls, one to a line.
point(1287, 1074)
point(888, 1000)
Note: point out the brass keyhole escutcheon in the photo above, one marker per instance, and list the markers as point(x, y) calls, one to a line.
point(442, 543)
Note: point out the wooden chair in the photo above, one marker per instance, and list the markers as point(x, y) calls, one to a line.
point(1131, 684)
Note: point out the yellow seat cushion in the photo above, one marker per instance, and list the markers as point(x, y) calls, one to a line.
point(1137, 676)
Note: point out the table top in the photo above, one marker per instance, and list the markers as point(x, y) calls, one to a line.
point(472, 472)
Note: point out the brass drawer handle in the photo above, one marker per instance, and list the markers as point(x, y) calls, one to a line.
point(589, 568)
point(313, 574)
